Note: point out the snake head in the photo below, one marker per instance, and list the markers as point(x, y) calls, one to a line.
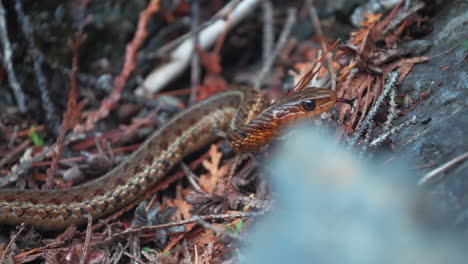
point(300, 105)
point(267, 125)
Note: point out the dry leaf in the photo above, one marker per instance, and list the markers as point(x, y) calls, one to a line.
point(208, 181)
point(183, 207)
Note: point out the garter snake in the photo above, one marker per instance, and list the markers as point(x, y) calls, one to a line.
point(242, 113)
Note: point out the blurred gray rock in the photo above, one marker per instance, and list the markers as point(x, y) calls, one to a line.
point(332, 208)
point(344, 7)
point(371, 7)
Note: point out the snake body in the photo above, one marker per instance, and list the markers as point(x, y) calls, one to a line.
point(241, 112)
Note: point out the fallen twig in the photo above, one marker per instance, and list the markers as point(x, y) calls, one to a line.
point(207, 225)
point(193, 219)
point(180, 56)
point(70, 116)
point(402, 16)
point(38, 60)
point(129, 65)
point(290, 21)
point(195, 68)
point(442, 168)
point(87, 243)
point(7, 54)
point(318, 28)
point(11, 154)
point(134, 258)
point(10, 244)
point(23, 166)
point(268, 31)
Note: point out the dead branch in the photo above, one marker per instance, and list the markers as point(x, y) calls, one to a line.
point(70, 116)
point(12, 240)
point(7, 54)
point(430, 175)
point(318, 28)
point(290, 21)
point(193, 219)
point(25, 163)
point(215, 229)
point(195, 66)
point(180, 56)
point(87, 243)
point(268, 31)
point(41, 80)
point(129, 65)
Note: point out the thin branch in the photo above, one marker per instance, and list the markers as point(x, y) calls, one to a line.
point(129, 65)
point(442, 168)
point(11, 154)
point(218, 230)
point(402, 16)
point(87, 243)
point(180, 56)
point(71, 114)
point(24, 165)
point(221, 15)
point(318, 28)
point(268, 31)
point(195, 70)
point(193, 219)
point(7, 53)
point(10, 244)
point(290, 21)
point(191, 177)
point(38, 60)
point(134, 258)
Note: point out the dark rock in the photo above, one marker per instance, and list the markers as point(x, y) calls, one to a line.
point(440, 134)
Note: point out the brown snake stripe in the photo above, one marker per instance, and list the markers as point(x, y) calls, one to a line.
point(241, 112)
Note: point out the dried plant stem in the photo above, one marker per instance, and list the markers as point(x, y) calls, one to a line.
point(182, 48)
point(290, 21)
point(71, 114)
point(195, 67)
point(318, 28)
point(23, 166)
point(442, 168)
point(402, 16)
point(220, 231)
point(268, 31)
point(7, 54)
point(129, 65)
point(192, 219)
point(10, 244)
point(38, 60)
point(87, 244)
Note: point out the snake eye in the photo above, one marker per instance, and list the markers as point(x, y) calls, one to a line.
point(308, 105)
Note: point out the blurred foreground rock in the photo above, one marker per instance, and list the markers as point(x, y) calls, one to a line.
point(332, 208)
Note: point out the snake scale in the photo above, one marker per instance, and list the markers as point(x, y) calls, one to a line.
point(241, 112)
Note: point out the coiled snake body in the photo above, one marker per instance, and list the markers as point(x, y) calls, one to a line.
point(241, 112)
